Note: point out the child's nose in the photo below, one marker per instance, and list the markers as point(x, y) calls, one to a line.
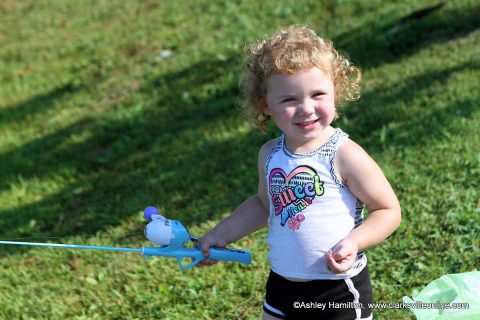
point(307, 107)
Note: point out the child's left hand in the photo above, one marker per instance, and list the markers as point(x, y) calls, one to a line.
point(342, 256)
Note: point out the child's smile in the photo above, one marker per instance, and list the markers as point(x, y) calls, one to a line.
point(302, 105)
point(307, 124)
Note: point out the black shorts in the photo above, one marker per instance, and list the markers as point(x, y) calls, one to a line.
point(321, 299)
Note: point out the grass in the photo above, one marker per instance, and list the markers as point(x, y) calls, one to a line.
point(108, 107)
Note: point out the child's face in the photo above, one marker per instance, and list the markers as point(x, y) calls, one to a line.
point(302, 105)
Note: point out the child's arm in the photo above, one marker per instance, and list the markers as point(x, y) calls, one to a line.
point(367, 182)
point(249, 217)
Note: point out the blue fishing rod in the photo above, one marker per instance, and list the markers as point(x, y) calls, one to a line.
point(170, 235)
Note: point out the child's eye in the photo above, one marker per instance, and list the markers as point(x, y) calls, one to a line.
point(287, 100)
point(318, 94)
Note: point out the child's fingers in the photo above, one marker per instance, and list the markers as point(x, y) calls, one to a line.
point(206, 252)
point(341, 254)
point(331, 263)
point(337, 265)
point(208, 262)
point(205, 248)
point(205, 243)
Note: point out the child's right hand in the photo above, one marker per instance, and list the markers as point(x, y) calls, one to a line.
point(342, 256)
point(210, 239)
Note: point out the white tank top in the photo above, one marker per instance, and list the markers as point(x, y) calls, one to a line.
point(310, 211)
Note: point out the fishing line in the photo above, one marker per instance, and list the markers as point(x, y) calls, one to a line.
point(70, 237)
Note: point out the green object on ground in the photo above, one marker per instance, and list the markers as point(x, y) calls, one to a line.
point(452, 296)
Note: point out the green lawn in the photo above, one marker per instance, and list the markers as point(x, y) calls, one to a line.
point(107, 107)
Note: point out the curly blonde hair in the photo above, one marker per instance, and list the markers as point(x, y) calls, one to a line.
point(290, 50)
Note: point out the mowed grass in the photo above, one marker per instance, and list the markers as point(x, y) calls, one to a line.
point(107, 107)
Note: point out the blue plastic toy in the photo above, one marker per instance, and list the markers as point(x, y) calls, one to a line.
point(170, 235)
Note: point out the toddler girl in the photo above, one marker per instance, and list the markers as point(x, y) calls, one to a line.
point(313, 183)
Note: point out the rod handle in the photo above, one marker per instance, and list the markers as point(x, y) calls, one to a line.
point(225, 254)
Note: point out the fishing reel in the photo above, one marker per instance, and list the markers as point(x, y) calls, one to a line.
point(172, 237)
point(164, 232)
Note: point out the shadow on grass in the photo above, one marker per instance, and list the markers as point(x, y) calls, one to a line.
point(384, 42)
point(37, 104)
point(172, 154)
point(406, 115)
point(177, 152)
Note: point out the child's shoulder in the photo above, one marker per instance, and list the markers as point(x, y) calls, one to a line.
point(267, 147)
point(351, 157)
point(350, 151)
point(265, 150)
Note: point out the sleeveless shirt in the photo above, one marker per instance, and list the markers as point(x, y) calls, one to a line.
point(310, 210)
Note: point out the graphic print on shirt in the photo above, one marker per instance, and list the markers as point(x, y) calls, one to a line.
point(293, 193)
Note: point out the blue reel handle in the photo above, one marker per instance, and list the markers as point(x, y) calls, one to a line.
point(230, 255)
point(197, 256)
point(217, 254)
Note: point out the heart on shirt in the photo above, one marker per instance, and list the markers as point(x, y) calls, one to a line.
point(293, 193)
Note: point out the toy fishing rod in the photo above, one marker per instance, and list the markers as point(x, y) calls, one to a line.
point(170, 235)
